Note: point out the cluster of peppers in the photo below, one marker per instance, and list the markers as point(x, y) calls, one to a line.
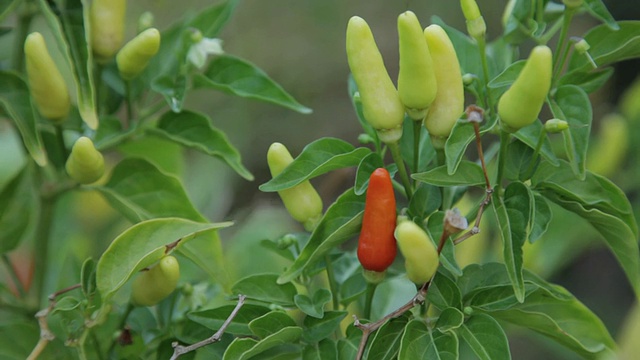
point(85, 164)
point(430, 90)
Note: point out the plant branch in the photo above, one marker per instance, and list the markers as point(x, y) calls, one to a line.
point(45, 333)
point(181, 350)
point(402, 170)
point(417, 131)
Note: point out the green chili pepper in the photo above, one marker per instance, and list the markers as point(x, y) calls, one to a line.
point(134, 56)
point(107, 19)
point(46, 85)
point(421, 258)
point(85, 164)
point(155, 284)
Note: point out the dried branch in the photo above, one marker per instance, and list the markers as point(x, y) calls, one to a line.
point(181, 350)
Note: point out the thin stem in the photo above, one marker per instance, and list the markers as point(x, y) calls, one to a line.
point(417, 132)
point(482, 44)
point(14, 276)
point(96, 345)
point(101, 88)
point(504, 142)
point(61, 142)
point(540, 11)
point(332, 282)
point(562, 50)
point(551, 32)
point(536, 153)
point(404, 176)
point(476, 129)
point(129, 104)
point(368, 301)
point(121, 325)
point(43, 233)
point(181, 350)
point(22, 29)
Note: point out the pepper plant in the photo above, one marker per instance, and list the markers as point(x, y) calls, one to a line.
point(433, 172)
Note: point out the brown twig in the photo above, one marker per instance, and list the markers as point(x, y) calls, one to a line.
point(45, 334)
point(181, 350)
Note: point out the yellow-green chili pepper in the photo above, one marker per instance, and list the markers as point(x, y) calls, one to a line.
point(476, 26)
point(134, 56)
point(449, 103)
point(155, 284)
point(421, 258)
point(85, 164)
point(46, 84)
point(107, 19)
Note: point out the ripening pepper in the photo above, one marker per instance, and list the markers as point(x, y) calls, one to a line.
point(46, 84)
point(416, 79)
point(302, 201)
point(377, 246)
point(421, 258)
point(107, 19)
point(449, 103)
point(520, 105)
point(85, 164)
point(381, 103)
point(155, 284)
point(135, 55)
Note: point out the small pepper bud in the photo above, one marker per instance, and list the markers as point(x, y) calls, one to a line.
point(107, 27)
point(421, 258)
point(476, 26)
point(449, 103)
point(572, 4)
point(134, 56)
point(155, 284)
point(582, 46)
point(520, 105)
point(416, 79)
point(46, 84)
point(468, 79)
point(85, 164)
point(553, 126)
point(302, 201)
point(381, 103)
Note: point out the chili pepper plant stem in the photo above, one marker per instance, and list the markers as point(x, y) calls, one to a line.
point(417, 132)
point(562, 50)
point(121, 325)
point(61, 142)
point(129, 104)
point(22, 29)
point(14, 276)
point(536, 153)
point(371, 290)
point(332, 282)
point(482, 46)
point(476, 129)
point(394, 147)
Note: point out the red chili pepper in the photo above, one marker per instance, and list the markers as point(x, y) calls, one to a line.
point(377, 246)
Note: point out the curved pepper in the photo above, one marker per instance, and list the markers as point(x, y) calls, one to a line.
point(302, 201)
point(46, 84)
point(377, 246)
point(520, 105)
point(421, 258)
point(381, 103)
point(107, 18)
point(449, 103)
point(134, 56)
point(416, 80)
point(155, 284)
point(85, 164)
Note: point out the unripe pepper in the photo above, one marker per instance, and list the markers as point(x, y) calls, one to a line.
point(449, 103)
point(107, 19)
point(377, 245)
point(302, 201)
point(134, 56)
point(47, 87)
point(476, 26)
point(155, 284)
point(416, 80)
point(421, 258)
point(381, 103)
point(520, 105)
point(85, 164)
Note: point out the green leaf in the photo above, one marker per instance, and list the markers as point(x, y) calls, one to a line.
point(16, 101)
point(608, 46)
point(368, 165)
point(139, 191)
point(467, 174)
point(348, 347)
point(427, 152)
point(461, 136)
point(214, 318)
point(594, 191)
point(450, 319)
point(501, 83)
point(354, 95)
point(599, 10)
point(68, 24)
point(245, 348)
point(435, 227)
point(18, 208)
point(386, 342)
point(444, 293)
point(6, 7)
point(340, 223)
point(530, 136)
point(517, 162)
point(519, 198)
point(511, 245)
point(173, 87)
point(587, 81)
point(263, 287)
point(326, 349)
point(194, 130)
point(425, 201)
point(572, 104)
point(316, 329)
point(618, 235)
point(205, 250)
point(520, 24)
point(485, 337)
point(541, 218)
point(313, 306)
point(418, 342)
point(239, 77)
point(274, 248)
point(567, 322)
point(270, 323)
point(142, 245)
point(110, 133)
point(352, 288)
point(88, 278)
point(317, 158)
